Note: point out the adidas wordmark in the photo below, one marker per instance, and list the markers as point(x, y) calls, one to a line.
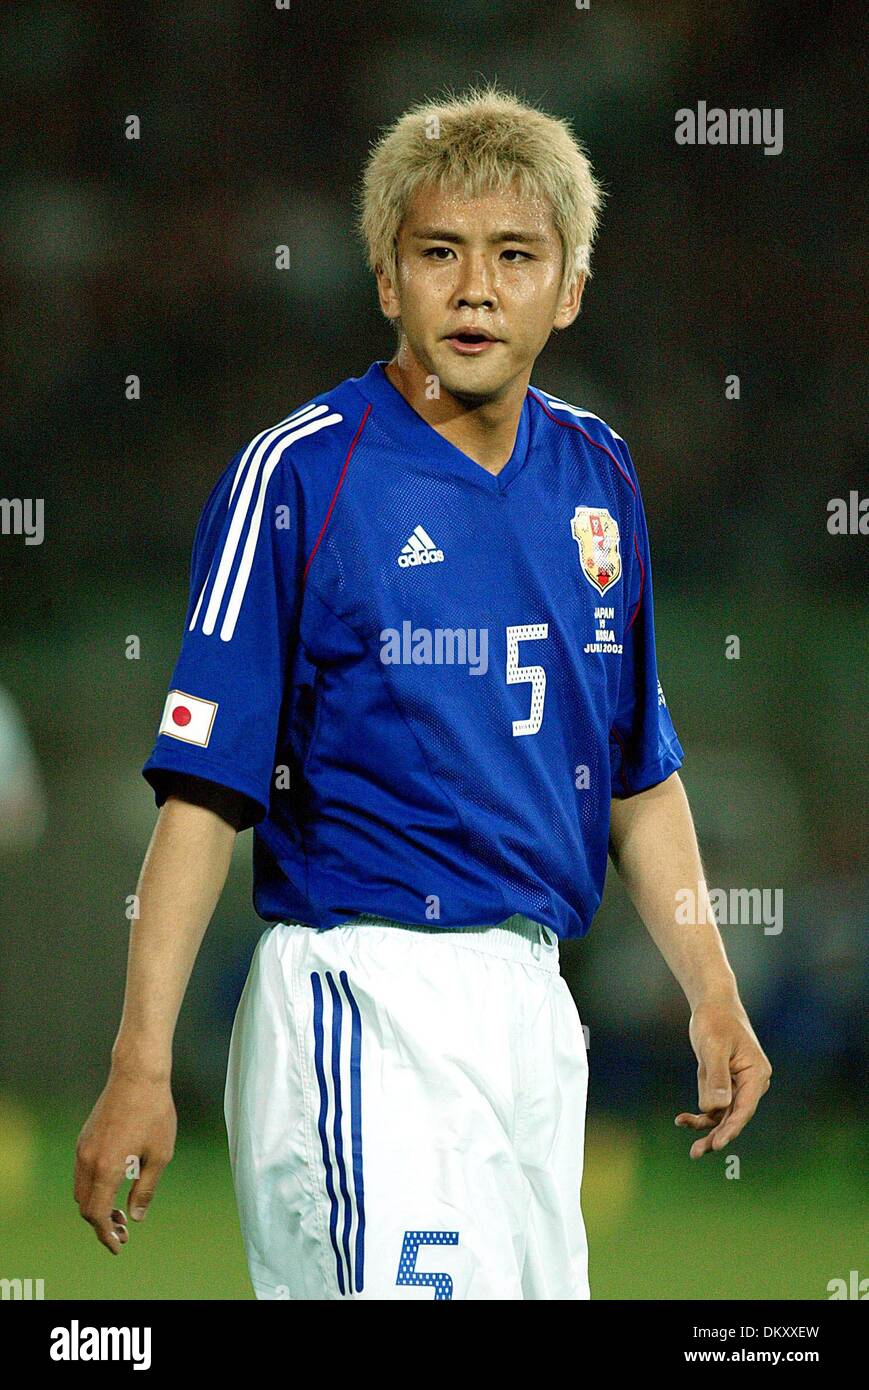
point(420, 550)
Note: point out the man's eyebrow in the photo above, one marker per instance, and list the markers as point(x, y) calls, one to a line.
point(444, 234)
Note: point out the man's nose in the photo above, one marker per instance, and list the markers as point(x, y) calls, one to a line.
point(476, 282)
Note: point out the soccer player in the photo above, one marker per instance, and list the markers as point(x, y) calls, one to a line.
point(419, 659)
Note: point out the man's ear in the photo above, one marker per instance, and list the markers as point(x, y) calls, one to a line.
point(386, 293)
point(570, 302)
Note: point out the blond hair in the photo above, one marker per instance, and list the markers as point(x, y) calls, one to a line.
point(480, 141)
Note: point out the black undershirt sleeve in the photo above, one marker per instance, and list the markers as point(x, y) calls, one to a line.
point(237, 810)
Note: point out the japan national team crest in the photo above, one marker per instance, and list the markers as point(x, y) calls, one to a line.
point(597, 535)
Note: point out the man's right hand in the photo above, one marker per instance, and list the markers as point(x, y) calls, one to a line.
point(133, 1121)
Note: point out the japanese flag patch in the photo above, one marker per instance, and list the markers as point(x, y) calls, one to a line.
point(188, 718)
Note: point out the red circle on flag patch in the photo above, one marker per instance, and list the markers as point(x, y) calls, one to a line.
point(181, 715)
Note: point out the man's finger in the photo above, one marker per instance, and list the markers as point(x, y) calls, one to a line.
point(714, 1085)
point(119, 1222)
point(97, 1211)
point(749, 1089)
point(704, 1145)
point(688, 1121)
point(141, 1194)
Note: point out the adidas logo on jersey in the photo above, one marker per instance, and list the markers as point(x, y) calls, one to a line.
point(420, 550)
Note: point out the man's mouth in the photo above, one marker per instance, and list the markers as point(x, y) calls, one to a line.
point(470, 343)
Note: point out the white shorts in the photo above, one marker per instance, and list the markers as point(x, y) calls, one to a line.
point(406, 1109)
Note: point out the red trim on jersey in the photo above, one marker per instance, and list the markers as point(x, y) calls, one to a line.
point(571, 425)
point(338, 488)
point(597, 444)
point(642, 584)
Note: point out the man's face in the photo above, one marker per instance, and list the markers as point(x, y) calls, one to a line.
point(493, 264)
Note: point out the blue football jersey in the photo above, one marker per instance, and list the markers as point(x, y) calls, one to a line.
point(427, 680)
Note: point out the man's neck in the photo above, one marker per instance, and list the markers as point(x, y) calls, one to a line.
point(486, 433)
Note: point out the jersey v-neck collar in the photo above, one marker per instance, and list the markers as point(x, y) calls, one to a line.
point(398, 417)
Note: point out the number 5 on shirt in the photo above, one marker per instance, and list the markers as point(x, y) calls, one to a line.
point(535, 675)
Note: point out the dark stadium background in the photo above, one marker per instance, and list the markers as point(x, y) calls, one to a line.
point(156, 257)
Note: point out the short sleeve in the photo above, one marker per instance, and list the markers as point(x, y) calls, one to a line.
point(221, 717)
point(644, 748)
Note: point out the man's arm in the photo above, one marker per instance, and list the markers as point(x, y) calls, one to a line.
point(182, 877)
point(653, 846)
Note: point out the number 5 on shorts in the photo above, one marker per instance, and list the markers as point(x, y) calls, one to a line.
point(407, 1271)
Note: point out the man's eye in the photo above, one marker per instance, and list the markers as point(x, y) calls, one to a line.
point(441, 252)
